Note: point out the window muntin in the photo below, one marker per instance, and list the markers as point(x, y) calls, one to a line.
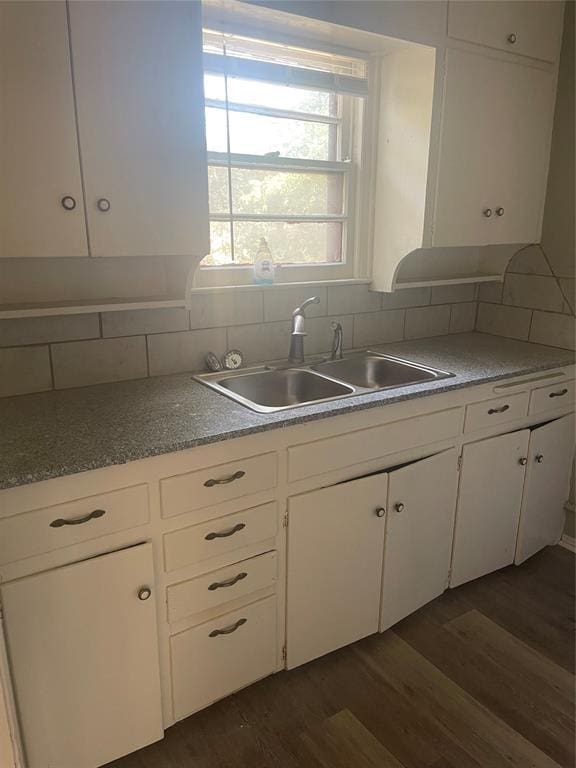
point(278, 155)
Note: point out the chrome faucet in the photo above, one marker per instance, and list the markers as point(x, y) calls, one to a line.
point(296, 354)
point(336, 351)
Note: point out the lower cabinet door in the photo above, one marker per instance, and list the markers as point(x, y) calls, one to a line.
point(547, 487)
point(488, 508)
point(223, 655)
point(335, 545)
point(83, 648)
point(419, 526)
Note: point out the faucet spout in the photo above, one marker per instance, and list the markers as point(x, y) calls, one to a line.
point(298, 331)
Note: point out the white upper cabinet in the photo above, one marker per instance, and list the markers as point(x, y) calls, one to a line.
point(527, 28)
point(139, 88)
point(42, 211)
point(494, 151)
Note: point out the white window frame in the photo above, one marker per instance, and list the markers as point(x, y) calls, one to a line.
point(352, 268)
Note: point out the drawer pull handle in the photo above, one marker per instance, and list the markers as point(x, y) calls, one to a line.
point(224, 534)
point(228, 582)
point(539, 458)
point(559, 393)
point(225, 480)
point(498, 410)
point(60, 522)
point(228, 630)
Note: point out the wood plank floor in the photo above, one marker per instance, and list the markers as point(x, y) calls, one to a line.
point(480, 678)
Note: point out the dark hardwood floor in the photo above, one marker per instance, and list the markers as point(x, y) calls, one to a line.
point(481, 677)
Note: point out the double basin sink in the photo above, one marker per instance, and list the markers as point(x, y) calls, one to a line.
point(268, 389)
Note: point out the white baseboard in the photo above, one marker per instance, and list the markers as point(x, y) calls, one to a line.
point(568, 542)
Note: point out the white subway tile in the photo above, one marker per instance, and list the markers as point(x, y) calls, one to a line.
point(80, 363)
point(406, 297)
point(139, 322)
point(463, 317)
point(184, 351)
point(529, 261)
point(427, 321)
point(378, 327)
point(42, 330)
point(450, 294)
point(320, 333)
point(213, 310)
point(24, 370)
point(261, 342)
point(553, 329)
point(491, 292)
point(351, 299)
point(533, 292)
point(501, 320)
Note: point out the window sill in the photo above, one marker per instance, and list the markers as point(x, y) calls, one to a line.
point(268, 286)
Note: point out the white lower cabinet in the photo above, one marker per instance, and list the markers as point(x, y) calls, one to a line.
point(550, 455)
point(419, 526)
point(488, 508)
point(219, 657)
point(83, 649)
point(335, 545)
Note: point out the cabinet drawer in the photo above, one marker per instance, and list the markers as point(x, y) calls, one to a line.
point(214, 485)
point(553, 396)
point(219, 657)
point(496, 411)
point(217, 537)
point(221, 586)
point(366, 444)
point(49, 528)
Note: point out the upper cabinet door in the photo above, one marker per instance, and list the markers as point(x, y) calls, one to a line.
point(528, 28)
point(418, 546)
point(550, 456)
point(335, 544)
point(83, 650)
point(42, 211)
point(488, 508)
point(139, 85)
point(494, 151)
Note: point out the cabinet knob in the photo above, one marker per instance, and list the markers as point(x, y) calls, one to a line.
point(399, 507)
point(68, 203)
point(539, 458)
point(511, 38)
point(523, 461)
point(144, 593)
point(487, 212)
point(103, 205)
point(380, 512)
point(499, 211)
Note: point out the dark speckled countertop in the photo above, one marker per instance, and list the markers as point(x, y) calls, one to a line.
point(51, 434)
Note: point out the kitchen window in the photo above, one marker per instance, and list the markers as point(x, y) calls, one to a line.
point(282, 129)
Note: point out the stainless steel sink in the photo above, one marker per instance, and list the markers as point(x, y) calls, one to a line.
point(373, 371)
point(273, 390)
point(268, 389)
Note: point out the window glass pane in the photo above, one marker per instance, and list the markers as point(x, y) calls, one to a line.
point(219, 201)
point(281, 97)
point(216, 130)
point(290, 243)
point(220, 244)
point(214, 87)
point(258, 134)
point(283, 192)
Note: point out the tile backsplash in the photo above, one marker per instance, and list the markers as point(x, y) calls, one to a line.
point(38, 354)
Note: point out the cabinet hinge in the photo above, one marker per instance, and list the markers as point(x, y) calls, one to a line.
point(284, 654)
point(285, 520)
point(460, 463)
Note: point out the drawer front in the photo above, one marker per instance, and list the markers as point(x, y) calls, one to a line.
point(219, 536)
point(366, 444)
point(221, 586)
point(219, 657)
point(213, 485)
point(50, 528)
point(496, 411)
point(553, 396)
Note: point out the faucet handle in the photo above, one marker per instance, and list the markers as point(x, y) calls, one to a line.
point(313, 300)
